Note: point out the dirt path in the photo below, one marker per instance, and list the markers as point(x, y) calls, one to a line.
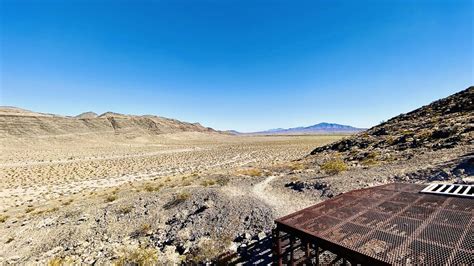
point(259, 191)
point(282, 203)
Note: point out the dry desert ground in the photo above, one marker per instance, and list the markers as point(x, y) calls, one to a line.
point(41, 170)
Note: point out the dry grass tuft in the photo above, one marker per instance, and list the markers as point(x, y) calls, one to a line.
point(183, 196)
point(208, 249)
point(151, 188)
point(144, 229)
point(138, 256)
point(111, 198)
point(297, 166)
point(253, 172)
point(3, 218)
point(125, 209)
point(68, 202)
point(58, 261)
point(208, 182)
point(178, 199)
point(371, 159)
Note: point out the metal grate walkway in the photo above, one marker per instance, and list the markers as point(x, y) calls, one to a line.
point(389, 224)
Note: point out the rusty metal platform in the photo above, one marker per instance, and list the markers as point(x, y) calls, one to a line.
point(384, 225)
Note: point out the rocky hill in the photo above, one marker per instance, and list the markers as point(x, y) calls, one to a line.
point(442, 124)
point(442, 131)
point(20, 123)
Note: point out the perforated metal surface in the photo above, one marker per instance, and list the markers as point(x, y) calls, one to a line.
point(393, 223)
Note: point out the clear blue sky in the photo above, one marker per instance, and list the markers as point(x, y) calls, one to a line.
point(244, 65)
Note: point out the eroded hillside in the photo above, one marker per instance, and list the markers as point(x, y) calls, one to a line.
point(19, 123)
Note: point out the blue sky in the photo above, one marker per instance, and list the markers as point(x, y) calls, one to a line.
point(244, 65)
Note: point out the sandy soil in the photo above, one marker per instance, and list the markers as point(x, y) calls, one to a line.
point(37, 171)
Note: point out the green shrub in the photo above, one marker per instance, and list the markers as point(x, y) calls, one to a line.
point(334, 166)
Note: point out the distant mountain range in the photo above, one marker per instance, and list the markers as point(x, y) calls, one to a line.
point(321, 128)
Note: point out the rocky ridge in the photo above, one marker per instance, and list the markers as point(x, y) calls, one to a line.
point(432, 143)
point(19, 123)
point(443, 124)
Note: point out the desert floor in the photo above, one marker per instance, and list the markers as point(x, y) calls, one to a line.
point(183, 197)
point(45, 169)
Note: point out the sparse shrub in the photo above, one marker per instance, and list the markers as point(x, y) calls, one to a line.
point(183, 196)
point(58, 261)
point(125, 209)
point(68, 202)
point(208, 182)
point(294, 178)
point(111, 198)
point(297, 166)
point(9, 240)
point(151, 188)
point(138, 256)
point(222, 181)
point(425, 134)
point(186, 183)
point(334, 166)
point(208, 249)
point(3, 218)
point(178, 199)
point(143, 230)
point(253, 172)
point(368, 162)
point(38, 212)
point(370, 158)
point(29, 209)
point(54, 209)
point(372, 155)
point(390, 140)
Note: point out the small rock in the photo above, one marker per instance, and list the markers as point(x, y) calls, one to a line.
point(468, 180)
point(247, 236)
point(233, 247)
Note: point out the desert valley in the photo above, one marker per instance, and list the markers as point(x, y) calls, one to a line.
point(126, 189)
